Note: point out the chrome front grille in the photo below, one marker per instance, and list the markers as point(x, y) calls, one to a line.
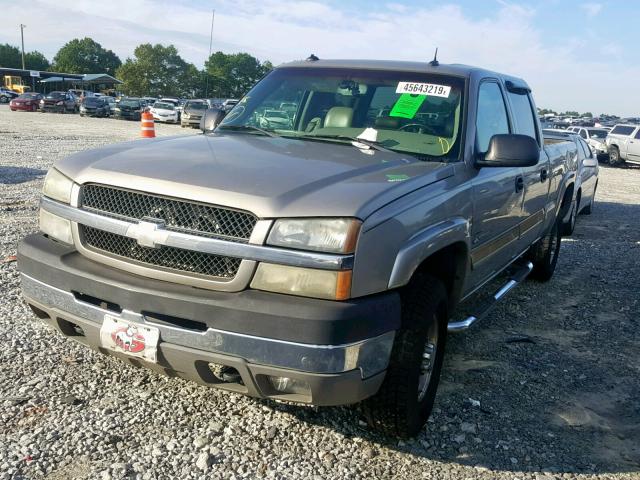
point(166, 258)
point(178, 215)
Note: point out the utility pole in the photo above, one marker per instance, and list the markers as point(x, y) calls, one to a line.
point(206, 91)
point(22, 37)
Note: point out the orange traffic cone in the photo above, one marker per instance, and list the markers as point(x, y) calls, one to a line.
point(147, 129)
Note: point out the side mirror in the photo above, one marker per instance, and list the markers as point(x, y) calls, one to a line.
point(511, 150)
point(211, 119)
point(590, 162)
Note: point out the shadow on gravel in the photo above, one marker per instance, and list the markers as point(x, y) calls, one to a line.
point(15, 175)
point(554, 369)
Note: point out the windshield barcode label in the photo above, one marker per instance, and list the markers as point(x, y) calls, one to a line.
point(424, 89)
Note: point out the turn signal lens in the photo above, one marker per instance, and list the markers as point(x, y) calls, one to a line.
point(306, 282)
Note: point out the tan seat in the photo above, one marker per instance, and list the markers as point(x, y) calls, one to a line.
point(340, 117)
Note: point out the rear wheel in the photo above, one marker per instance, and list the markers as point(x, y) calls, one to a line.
point(544, 254)
point(403, 404)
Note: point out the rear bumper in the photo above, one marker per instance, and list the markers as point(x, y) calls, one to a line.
point(338, 350)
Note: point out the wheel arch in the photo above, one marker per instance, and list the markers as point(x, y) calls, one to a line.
point(442, 251)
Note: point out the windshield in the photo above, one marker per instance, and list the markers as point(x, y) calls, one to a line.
point(130, 103)
point(195, 106)
point(56, 95)
point(598, 133)
point(92, 101)
point(29, 96)
point(163, 106)
point(410, 112)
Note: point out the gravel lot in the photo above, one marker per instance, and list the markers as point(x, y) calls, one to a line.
point(547, 387)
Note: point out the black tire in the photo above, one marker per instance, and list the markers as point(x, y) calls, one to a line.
point(399, 408)
point(4, 99)
point(544, 254)
point(614, 157)
point(570, 226)
point(588, 210)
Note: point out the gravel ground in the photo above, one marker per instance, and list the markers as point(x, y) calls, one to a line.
point(546, 388)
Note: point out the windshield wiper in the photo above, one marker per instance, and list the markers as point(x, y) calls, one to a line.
point(248, 128)
point(368, 143)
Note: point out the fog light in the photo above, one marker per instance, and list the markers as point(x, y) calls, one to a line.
point(290, 385)
point(56, 227)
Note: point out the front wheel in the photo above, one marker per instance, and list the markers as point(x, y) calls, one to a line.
point(544, 254)
point(403, 404)
point(614, 157)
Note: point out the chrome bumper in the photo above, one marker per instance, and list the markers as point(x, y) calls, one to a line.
point(370, 356)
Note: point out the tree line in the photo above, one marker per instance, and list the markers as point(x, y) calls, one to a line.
point(154, 70)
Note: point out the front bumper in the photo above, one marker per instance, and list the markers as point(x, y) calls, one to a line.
point(340, 350)
point(128, 115)
point(23, 107)
point(195, 122)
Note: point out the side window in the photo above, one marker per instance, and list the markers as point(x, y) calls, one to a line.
point(583, 133)
point(492, 115)
point(586, 150)
point(637, 134)
point(523, 114)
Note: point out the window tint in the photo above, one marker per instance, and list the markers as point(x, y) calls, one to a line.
point(523, 114)
point(586, 150)
point(492, 115)
point(583, 133)
point(638, 134)
point(622, 130)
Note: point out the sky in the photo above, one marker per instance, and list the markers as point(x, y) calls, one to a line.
point(576, 55)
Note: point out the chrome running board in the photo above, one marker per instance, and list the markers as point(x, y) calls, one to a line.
point(462, 325)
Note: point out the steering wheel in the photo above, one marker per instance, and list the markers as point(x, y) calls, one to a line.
point(417, 128)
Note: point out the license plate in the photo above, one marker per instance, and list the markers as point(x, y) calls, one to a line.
point(133, 339)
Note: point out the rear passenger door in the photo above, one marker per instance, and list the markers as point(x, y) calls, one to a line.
point(536, 178)
point(497, 192)
point(633, 150)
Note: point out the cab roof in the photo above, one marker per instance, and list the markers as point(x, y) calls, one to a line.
point(454, 69)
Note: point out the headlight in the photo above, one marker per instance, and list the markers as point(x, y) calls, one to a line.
point(59, 103)
point(306, 282)
point(55, 226)
point(336, 235)
point(41, 102)
point(57, 186)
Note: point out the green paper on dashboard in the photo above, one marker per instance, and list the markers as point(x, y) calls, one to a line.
point(407, 105)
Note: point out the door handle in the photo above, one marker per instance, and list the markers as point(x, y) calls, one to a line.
point(519, 183)
point(544, 175)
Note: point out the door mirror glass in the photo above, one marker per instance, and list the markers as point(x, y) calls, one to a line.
point(511, 150)
point(590, 162)
point(211, 119)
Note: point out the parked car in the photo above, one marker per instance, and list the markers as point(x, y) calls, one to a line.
point(164, 112)
point(176, 102)
point(95, 107)
point(29, 102)
point(112, 104)
point(595, 138)
point(129, 108)
point(623, 144)
point(7, 95)
point(586, 183)
point(274, 119)
point(229, 103)
point(192, 113)
point(60, 102)
point(328, 256)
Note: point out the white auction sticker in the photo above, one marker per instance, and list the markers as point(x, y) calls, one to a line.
point(424, 89)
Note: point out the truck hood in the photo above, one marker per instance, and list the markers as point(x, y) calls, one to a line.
point(271, 177)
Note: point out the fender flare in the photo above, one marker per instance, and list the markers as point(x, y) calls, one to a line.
point(424, 244)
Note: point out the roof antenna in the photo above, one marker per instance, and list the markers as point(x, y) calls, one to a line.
point(312, 58)
point(435, 62)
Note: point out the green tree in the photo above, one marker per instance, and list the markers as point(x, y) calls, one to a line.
point(587, 114)
point(85, 56)
point(10, 56)
point(232, 75)
point(158, 70)
point(36, 61)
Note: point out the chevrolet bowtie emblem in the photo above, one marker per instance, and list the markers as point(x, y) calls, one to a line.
point(148, 234)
